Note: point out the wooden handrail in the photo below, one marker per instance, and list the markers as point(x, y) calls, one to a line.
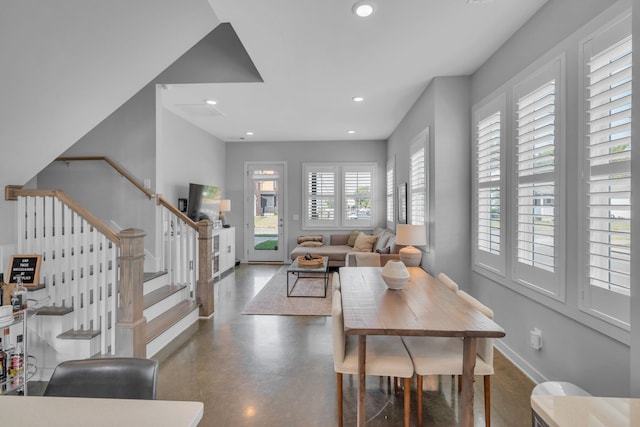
point(114, 165)
point(12, 192)
point(164, 202)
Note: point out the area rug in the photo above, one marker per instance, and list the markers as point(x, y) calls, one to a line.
point(273, 300)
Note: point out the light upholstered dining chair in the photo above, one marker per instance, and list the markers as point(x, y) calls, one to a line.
point(335, 283)
point(386, 357)
point(443, 356)
point(447, 281)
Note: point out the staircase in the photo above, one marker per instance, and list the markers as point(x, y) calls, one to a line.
point(94, 298)
point(168, 309)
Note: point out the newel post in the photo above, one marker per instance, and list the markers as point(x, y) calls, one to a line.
point(131, 326)
point(204, 291)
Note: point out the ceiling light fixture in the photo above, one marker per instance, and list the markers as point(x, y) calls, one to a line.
point(351, 131)
point(248, 133)
point(364, 8)
point(357, 99)
point(210, 102)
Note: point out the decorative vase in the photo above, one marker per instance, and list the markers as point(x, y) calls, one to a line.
point(395, 274)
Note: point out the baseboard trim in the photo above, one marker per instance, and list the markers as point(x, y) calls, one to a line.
point(533, 374)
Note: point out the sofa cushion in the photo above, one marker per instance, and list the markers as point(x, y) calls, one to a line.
point(352, 238)
point(364, 243)
point(310, 244)
point(334, 252)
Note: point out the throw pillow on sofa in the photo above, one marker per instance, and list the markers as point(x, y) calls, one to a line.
point(364, 243)
point(352, 238)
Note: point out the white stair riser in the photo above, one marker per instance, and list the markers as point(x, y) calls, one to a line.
point(155, 283)
point(165, 305)
point(159, 343)
point(49, 327)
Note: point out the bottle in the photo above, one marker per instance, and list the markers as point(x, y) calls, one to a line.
point(16, 364)
point(3, 368)
point(19, 295)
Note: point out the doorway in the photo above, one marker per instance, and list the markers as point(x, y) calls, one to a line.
point(264, 212)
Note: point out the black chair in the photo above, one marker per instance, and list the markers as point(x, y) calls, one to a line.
point(118, 377)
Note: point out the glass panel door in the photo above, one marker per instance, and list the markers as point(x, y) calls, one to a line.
point(265, 237)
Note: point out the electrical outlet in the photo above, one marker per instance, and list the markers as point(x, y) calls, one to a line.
point(535, 339)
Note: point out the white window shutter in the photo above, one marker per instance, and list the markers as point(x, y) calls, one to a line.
point(320, 196)
point(607, 176)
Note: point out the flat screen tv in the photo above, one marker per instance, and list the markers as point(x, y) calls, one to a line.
point(204, 202)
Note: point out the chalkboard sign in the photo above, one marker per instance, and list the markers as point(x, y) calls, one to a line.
point(27, 266)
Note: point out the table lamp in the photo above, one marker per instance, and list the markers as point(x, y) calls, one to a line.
point(410, 235)
point(225, 206)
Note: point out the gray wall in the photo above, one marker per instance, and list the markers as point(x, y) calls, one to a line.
point(444, 108)
point(186, 153)
point(295, 154)
point(576, 347)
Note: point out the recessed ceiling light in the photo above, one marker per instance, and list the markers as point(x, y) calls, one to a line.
point(210, 102)
point(364, 8)
point(351, 131)
point(357, 99)
point(248, 133)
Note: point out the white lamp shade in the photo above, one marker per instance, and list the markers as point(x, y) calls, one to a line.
point(410, 234)
point(225, 205)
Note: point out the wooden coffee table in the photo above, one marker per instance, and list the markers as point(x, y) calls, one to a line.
point(302, 272)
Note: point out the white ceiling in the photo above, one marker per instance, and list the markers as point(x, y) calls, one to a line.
point(314, 56)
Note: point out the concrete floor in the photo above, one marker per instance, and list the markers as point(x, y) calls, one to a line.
point(278, 371)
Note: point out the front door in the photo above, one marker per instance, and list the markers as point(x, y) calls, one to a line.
point(264, 213)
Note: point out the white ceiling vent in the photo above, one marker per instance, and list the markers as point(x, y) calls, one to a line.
point(199, 110)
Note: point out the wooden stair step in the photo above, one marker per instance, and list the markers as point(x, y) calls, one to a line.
point(86, 334)
point(159, 294)
point(152, 275)
point(54, 311)
point(157, 326)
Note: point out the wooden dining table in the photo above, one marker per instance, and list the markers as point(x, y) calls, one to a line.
point(423, 307)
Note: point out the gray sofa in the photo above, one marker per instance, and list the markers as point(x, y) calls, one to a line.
point(340, 252)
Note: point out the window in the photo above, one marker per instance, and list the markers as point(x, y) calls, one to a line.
point(357, 193)
point(390, 195)
point(537, 110)
point(489, 132)
point(607, 174)
point(338, 195)
point(418, 200)
point(321, 196)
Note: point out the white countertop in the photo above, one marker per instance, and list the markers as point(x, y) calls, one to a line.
point(35, 411)
point(587, 411)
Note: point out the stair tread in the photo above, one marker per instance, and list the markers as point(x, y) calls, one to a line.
point(79, 335)
point(54, 311)
point(157, 326)
point(150, 275)
point(161, 293)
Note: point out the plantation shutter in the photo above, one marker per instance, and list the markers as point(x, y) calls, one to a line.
point(488, 251)
point(357, 193)
point(390, 196)
point(320, 196)
point(418, 180)
point(608, 180)
point(538, 258)
point(536, 216)
point(488, 184)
